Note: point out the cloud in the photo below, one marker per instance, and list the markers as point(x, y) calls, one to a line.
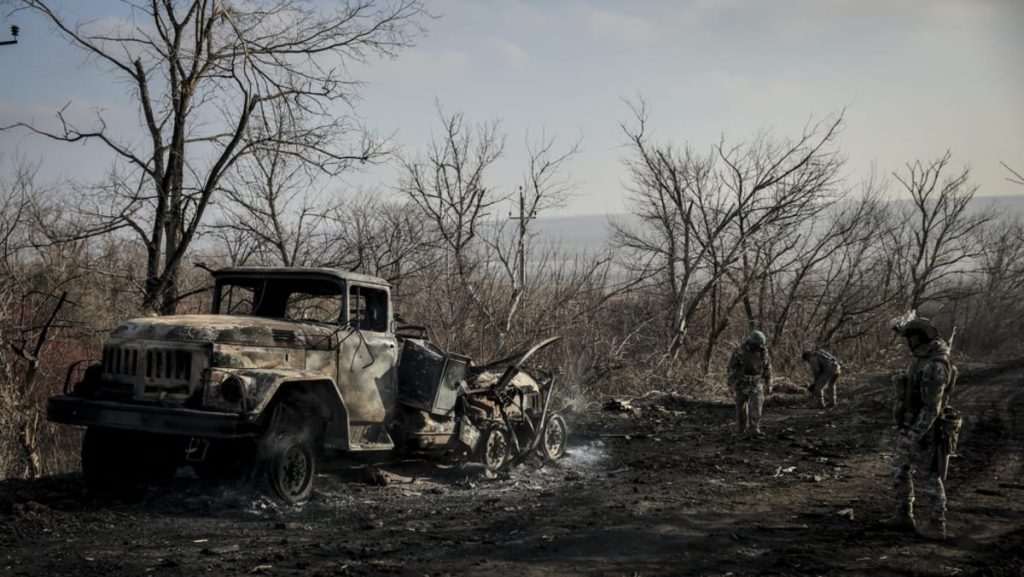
point(510, 54)
point(415, 68)
point(620, 27)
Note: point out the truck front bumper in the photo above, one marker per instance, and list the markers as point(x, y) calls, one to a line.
point(73, 410)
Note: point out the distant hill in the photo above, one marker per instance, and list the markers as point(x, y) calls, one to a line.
point(591, 232)
point(1003, 204)
point(576, 233)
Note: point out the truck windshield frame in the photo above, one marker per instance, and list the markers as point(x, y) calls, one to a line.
point(319, 300)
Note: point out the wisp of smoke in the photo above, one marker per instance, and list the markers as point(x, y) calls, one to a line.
point(585, 456)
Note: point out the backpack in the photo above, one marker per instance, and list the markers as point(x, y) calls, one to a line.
point(830, 358)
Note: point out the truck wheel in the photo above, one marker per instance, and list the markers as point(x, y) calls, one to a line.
point(291, 467)
point(554, 438)
point(102, 470)
point(494, 448)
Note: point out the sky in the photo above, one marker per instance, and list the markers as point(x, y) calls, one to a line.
point(917, 77)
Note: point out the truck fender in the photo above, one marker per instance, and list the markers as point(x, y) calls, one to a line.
point(266, 388)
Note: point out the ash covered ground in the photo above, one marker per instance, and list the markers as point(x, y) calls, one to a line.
point(664, 488)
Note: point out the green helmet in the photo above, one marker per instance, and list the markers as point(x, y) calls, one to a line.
point(757, 338)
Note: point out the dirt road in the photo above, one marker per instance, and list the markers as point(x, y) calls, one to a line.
point(665, 490)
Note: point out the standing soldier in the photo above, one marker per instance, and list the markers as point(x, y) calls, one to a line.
point(825, 372)
point(924, 441)
point(748, 364)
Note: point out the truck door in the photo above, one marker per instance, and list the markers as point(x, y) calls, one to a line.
point(367, 372)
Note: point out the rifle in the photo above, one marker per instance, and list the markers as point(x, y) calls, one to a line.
point(950, 422)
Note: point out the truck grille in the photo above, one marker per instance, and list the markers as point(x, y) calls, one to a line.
point(120, 361)
point(158, 364)
point(168, 365)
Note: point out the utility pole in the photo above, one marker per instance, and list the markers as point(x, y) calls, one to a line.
point(14, 34)
point(524, 220)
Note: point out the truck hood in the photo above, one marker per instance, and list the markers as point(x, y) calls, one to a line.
point(227, 329)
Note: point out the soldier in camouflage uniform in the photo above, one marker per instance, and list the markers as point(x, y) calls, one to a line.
point(921, 394)
point(825, 372)
point(749, 363)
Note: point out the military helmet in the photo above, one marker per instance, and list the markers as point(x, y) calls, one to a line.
point(922, 327)
point(756, 338)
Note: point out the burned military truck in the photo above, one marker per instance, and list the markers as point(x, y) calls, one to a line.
point(293, 366)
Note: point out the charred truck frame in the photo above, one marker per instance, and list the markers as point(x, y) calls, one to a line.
point(292, 366)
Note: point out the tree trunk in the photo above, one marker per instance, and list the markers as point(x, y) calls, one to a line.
point(31, 463)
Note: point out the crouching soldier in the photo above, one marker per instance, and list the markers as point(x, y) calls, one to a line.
point(927, 428)
point(825, 372)
point(750, 363)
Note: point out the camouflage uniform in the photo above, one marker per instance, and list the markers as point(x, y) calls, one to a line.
point(825, 372)
point(748, 364)
point(919, 402)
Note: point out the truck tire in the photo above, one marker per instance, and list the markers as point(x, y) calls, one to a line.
point(291, 468)
point(286, 459)
point(493, 449)
point(554, 438)
point(104, 473)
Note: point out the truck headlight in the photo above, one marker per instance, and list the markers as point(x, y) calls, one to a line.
point(233, 389)
point(224, 390)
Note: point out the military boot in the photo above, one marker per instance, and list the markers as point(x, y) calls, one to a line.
point(741, 427)
point(903, 520)
point(933, 531)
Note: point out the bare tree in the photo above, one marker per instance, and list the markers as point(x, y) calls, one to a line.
point(703, 215)
point(843, 297)
point(938, 238)
point(380, 237)
point(449, 186)
point(801, 263)
point(205, 76)
point(270, 211)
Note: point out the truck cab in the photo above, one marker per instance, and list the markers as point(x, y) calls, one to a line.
point(277, 341)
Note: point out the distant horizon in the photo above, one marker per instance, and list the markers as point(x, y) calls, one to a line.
point(1010, 197)
point(582, 233)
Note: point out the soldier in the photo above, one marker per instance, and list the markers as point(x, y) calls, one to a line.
point(921, 447)
point(825, 372)
point(748, 364)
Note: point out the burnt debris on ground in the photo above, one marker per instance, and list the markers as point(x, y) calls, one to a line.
point(652, 485)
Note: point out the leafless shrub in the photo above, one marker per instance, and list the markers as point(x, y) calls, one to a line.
point(990, 317)
point(35, 316)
